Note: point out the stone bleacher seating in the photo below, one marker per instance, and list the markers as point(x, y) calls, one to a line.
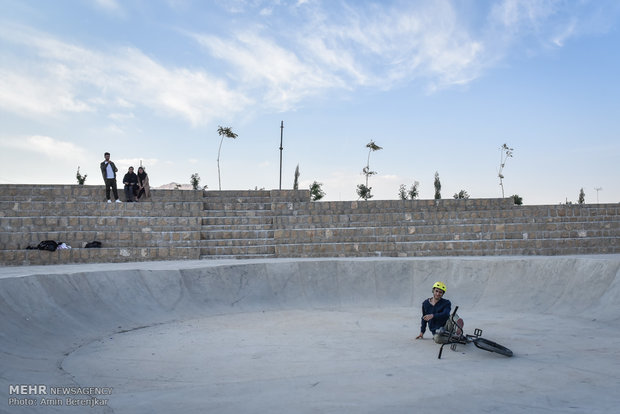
point(165, 228)
point(444, 227)
point(237, 223)
point(185, 224)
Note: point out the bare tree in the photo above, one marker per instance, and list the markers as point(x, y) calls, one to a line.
point(363, 191)
point(506, 153)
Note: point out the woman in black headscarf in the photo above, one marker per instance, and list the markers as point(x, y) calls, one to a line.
point(144, 190)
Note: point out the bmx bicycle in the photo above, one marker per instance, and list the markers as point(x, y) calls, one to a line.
point(456, 336)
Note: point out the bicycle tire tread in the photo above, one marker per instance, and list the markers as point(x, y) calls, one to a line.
point(491, 346)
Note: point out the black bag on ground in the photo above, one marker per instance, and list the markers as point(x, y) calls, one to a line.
point(92, 244)
point(49, 245)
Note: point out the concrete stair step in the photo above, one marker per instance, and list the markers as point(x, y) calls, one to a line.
point(237, 213)
point(575, 230)
point(85, 193)
point(238, 256)
point(215, 194)
point(79, 239)
point(143, 226)
point(246, 223)
point(76, 208)
point(237, 200)
point(393, 206)
point(237, 250)
point(237, 234)
point(114, 244)
point(227, 222)
point(236, 242)
point(329, 221)
point(439, 248)
point(101, 255)
point(255, 206)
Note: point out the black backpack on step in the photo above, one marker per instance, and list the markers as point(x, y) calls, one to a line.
point(49, 245)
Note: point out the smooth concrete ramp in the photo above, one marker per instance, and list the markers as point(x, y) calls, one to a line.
point(309, 336)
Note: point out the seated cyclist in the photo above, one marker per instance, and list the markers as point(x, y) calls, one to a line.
point(436, 314)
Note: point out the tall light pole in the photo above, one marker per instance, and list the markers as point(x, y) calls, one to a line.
point(597, 189)
point(281, 148)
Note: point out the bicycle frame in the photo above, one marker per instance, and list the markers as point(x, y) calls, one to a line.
point(454, 339)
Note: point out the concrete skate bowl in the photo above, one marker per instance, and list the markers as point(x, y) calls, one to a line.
point(310, 336)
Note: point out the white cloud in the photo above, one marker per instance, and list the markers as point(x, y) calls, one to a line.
point(121, 116)
point(123, 103)
point(347, 45)
point(114, 129)
point(401, 44)
point(124, 163)
point(517, 15)
point(65, 72)
point(338, 60)
point(277, 72)
point(111, 7)
point(560, 38)
point(321, 51)
point(108, 4)
point(549, 22)
point(369, 47)
point(50, 147)
point(32, 94)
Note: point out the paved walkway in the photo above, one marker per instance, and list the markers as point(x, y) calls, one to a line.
point(310, 336)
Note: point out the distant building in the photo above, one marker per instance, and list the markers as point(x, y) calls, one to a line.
point(174, 186)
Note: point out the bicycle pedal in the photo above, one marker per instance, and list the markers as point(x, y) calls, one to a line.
point(453, 347)
point(477, 332)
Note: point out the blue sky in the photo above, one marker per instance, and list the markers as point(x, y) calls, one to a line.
point(440, 85)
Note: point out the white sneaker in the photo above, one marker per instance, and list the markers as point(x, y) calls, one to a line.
point(109, 201)
point(118, 201)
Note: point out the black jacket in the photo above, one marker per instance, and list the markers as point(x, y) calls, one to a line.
point(130, 178)
point(103, 170)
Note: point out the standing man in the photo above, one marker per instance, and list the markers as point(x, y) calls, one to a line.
point(108, 170)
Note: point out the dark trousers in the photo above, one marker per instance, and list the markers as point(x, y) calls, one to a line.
point(110, 183)
point(130, 192)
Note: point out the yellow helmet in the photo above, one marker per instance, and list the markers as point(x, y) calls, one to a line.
point(440, 286)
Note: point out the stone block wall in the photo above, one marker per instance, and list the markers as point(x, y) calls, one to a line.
point(165, 228)
point(444, 227)
point(182, 224)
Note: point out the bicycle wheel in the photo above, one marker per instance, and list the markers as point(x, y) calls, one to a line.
point(492, 347)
